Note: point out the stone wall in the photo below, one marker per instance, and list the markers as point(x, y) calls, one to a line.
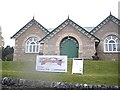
point(22, 84)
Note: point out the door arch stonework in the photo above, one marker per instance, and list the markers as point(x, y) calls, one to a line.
point(70, 35)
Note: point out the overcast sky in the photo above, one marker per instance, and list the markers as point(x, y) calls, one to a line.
point(14, 14)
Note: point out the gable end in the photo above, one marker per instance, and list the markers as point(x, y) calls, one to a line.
point(109, 18)
point(28, 25)
point(76, 26)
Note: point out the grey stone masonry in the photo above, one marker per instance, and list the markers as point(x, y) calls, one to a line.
point(22, 84)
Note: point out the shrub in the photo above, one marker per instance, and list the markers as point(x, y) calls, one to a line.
point(95, 57)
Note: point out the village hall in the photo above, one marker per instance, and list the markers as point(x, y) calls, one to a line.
point(69, 38)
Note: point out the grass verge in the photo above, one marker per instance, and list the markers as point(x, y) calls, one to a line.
point(95, 72)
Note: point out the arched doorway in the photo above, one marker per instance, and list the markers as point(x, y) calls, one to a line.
point(69, 46)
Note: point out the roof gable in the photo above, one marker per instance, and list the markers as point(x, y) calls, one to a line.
point(28, 25)
point(64, 24)
point(109, 18)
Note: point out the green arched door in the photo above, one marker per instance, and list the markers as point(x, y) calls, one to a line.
point(69, 47)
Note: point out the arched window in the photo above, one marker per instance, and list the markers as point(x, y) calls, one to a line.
point(32, 45)
point(112, 44)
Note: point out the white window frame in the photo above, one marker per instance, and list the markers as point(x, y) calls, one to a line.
point(32, 45)
point(112, 41)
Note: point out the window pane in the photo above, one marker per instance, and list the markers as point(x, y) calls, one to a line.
point(30, 39)
point(110, 47)
point(27, 42)
point(106, 41)
point(114, 47)
point(32, 42)
point(34, 39)
point(113, 37)
point(30, 49)
point(111, 41)
point(33, 48)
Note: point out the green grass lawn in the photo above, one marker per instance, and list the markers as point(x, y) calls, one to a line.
point(95, 72)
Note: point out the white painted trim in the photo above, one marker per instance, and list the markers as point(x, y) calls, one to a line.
point(104, 44)
point(36, 46)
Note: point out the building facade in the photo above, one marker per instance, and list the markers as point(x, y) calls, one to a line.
point(69, 39)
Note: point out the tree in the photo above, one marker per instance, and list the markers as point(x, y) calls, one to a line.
point(1, 52)
point(7, 53)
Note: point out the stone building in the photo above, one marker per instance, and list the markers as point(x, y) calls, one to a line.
point(69, 39)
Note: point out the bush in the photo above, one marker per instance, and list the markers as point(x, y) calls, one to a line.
point(7, 53)
point(95, 57)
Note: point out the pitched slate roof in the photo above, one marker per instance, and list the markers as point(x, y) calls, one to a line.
point(109, 18)
point(28, 25)
point(64, 24)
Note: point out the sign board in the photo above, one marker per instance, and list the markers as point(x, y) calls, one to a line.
point(51, 63)
point(77, 66)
